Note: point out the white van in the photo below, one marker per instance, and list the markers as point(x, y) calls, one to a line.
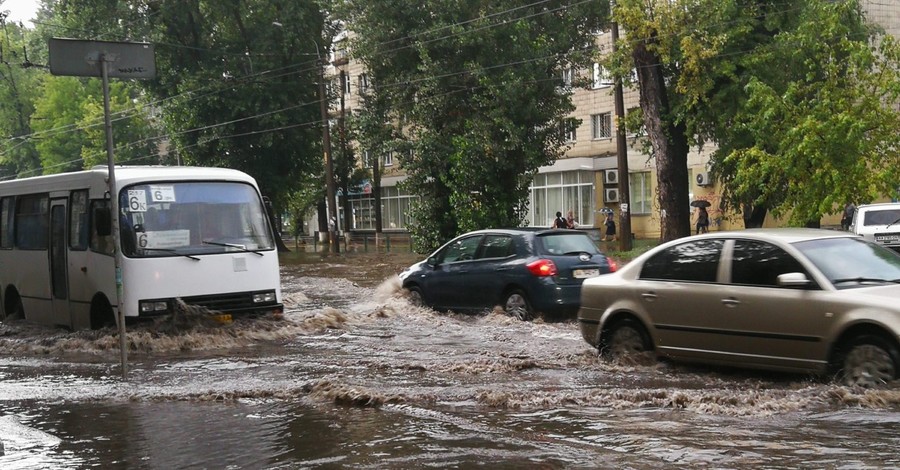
point(879, 223)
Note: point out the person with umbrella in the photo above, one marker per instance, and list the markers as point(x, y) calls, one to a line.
point(702, 216)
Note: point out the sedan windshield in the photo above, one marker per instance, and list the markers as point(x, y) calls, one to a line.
point(190, 218)
point(567, 243)
point(852, 262)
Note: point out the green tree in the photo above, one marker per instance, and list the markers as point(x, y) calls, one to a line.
point(824, 131)
point(236, 79)
point(801, 107)
point(69, 127)
point(19, 85)
point(475, 87)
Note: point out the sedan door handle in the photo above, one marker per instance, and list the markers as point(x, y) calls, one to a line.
point(649, 296)
point(731, 302)
point(502, 269)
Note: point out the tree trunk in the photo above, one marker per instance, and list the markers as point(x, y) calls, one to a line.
point(754, 216)
point(669, 145)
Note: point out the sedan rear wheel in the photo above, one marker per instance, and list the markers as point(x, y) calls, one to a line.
point(625, 339)
point(517, 305)
point(869, 361)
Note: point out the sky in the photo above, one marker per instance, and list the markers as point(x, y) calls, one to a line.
point(20, 10)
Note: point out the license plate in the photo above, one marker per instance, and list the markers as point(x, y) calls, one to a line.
point(226, 318)
point(887, 238)
point(584, 273)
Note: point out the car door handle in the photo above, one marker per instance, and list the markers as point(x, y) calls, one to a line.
point(731, 302)
point(649, 296)
point(502, 269)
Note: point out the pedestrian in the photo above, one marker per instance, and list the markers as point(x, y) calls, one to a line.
point(570, 220)
point(847, 216)
point(559, 222)
point(610, 224)
point(702, 220)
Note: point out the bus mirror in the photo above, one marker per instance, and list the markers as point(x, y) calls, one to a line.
point(102, 221)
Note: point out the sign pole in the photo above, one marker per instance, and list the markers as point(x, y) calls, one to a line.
point(105, 59)
point(81, 58)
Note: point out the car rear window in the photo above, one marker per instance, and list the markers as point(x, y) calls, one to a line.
point(881, 217)
point(561, 243)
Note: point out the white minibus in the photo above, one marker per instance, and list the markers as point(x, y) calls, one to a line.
point(200, 235)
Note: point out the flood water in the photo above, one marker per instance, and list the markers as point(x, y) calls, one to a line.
point(354, 376)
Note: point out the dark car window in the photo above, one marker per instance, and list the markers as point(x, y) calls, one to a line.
point(757, 263)
point(693, 261)
point(461, 250)
point(496, 246)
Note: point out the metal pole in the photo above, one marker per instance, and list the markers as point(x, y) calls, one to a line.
point(625, 242)
point(114, 209)
point(329, 163)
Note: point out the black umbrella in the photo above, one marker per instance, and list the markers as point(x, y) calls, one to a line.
point(700, 203)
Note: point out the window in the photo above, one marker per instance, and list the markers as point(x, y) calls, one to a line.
point(601, 126)
point(6, 222)
point(562, 191)
point(567, 132)
point(363, 84)
point(32, 222)
point(366, 159)
point(100, 243)
point(79, 231)
point(600, 77)
point(568, 76)
point(496, 246)
point(640, 193)
point(696, 261)
point(461, 250)
point(756, 263)
point(389, 159)
point(346, 79)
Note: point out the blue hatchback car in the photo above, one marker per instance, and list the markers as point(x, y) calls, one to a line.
point(527, 271)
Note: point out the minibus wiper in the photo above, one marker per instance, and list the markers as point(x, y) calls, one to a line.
point(892, 223)
point(167, 250)
point(233, 245)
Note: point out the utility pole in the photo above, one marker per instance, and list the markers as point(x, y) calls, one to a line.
point(625, 242)
point(329, 163)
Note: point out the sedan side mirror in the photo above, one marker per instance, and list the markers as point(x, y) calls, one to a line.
point(793, 280)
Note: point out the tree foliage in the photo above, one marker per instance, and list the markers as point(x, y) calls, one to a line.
point(474, 86)
point(236, 80)
point(19, 87)
point(799, 98)
point(825, 130)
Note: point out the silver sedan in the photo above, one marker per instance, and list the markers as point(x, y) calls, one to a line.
point(799, 300)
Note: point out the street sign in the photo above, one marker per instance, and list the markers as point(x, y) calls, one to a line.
point(81, 58)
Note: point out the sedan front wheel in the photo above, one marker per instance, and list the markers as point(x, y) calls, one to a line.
point(867, 361)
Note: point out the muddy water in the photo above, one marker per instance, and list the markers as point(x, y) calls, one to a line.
point(354, 376)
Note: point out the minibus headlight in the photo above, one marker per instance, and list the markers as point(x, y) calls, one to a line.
point(154, 306)
point(264, 297)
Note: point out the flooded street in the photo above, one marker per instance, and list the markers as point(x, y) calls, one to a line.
point(354, 376)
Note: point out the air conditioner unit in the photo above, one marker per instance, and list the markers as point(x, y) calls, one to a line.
point(703, 179)
point(612, 195)
point(611, 177)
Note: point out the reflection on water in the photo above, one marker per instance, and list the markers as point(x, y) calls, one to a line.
point(354, 376)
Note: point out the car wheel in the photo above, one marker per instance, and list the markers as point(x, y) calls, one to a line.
point(415, 296)
point(517, 305)
point(868, 360)
point(626, 338)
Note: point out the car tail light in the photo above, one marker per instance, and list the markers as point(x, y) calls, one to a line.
point(613, 267)
point(542, 267)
